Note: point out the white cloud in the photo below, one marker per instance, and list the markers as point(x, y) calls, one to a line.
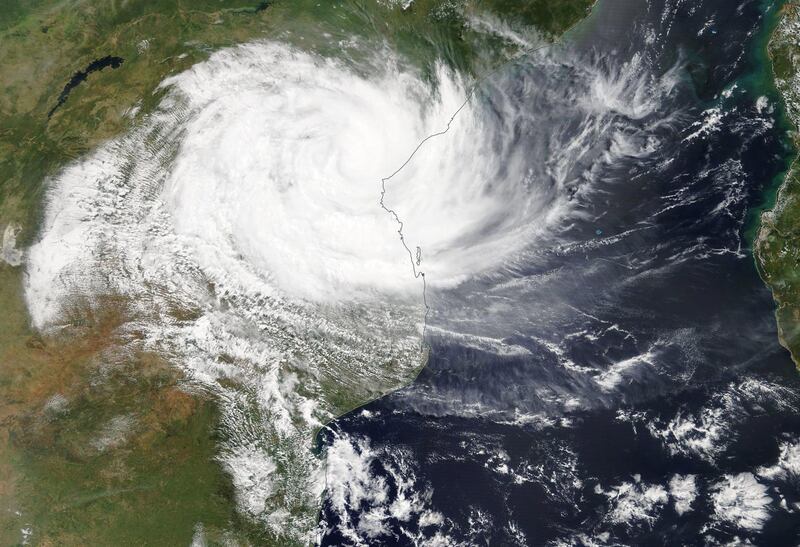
point(8, 250)
point(683, 489)
point(635, 502)
point(703, 434)
point(371, 490)
point(252, 471)
point(709, 431)
point(209, 229)
point(741, 500)
point(114, 433)
point(788, 464)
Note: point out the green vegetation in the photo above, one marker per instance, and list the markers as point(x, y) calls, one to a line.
point(154, 479)
point(100, 447)
point(44, 48)
point(777, 246)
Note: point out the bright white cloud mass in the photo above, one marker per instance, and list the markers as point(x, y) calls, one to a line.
point(279, 164)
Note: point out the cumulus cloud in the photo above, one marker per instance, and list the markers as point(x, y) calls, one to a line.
point(741, 500)
point(707, 432)
point(683, 489)
point(788, 464)
point(634, 503)
point(371, 491)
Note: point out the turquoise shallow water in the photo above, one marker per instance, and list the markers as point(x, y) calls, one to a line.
point(761, 82)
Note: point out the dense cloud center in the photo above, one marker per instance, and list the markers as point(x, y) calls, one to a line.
point(282, 165)
point(286, 154)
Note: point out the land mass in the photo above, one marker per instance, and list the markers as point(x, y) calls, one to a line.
point(777, 245)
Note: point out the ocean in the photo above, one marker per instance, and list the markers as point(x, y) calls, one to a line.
point(619, 381)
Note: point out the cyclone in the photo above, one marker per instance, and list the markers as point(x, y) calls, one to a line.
point(273, 225)
point(314, 171)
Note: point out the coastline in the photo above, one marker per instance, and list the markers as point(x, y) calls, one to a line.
point(776, 246)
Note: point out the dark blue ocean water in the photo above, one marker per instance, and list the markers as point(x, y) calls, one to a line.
point(644, 346)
